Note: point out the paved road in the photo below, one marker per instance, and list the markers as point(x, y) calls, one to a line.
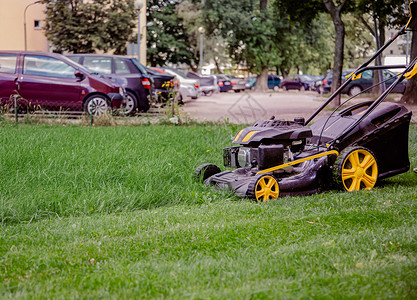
point(249, 107)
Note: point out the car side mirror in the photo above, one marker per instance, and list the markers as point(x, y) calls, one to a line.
point(80, 76)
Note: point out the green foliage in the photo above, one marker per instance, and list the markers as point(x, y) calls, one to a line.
point(271, 37)
point(167, 38)
point(82, 26)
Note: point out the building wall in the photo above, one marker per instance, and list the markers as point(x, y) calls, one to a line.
point(12, 25)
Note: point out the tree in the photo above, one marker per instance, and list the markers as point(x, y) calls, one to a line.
point(82, 26)
point(167, 39)
point(249, 29)
point(336, 14)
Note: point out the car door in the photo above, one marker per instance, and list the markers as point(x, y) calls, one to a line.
point(366, 80)
point(49, 82)
point(8, 76)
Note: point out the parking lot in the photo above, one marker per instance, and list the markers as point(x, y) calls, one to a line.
point(249, 107)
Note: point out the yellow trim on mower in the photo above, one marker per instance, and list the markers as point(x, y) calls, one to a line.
point(249, 135)
point(413, 72)
point(295, 162)
point(411, 16)
point(238, 135)
point(355, 76)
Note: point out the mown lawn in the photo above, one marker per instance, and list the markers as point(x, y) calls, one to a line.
point(114, 212)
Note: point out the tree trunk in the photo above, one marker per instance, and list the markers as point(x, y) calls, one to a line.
point(339, 26)
point(410, 95)
point(261, 84)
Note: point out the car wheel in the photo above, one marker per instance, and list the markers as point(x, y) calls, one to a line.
point(276, 88)
point(130, 104)
point(284, 88)
point(237, 91)
point(354, 90)
point(302, 88)
point(355, 169)
point(209, 93)
point(96, 105)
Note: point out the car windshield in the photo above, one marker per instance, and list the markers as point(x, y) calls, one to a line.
point(139, 66)
point(306, 78)
point(78, 66)
point(178, 72)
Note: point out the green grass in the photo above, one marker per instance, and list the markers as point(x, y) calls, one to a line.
point(114, 213)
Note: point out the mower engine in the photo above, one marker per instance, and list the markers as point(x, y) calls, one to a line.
point(266, 144)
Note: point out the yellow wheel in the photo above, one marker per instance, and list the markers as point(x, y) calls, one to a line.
point(265, 188)
point(357, 169)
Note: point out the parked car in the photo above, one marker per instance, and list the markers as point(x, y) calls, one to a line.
point(188, 87)
point(325, 85)
point(238, 84)
point(223, 82)
point(208, 84)
point(358, 85)
point(273, 82)
point(50, 80)
point(250, 82)
point(163, 85)
point(297, 82)
point(125, 71)
point(367, 78)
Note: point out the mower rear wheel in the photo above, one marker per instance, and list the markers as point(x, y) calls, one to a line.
point(263, 188)
point(356, 169)
point(205, 171)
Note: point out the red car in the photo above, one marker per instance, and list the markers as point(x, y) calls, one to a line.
point(52, 81)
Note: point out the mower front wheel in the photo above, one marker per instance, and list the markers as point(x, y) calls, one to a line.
point(356, 169)
point(263, 188)
point(205, 171)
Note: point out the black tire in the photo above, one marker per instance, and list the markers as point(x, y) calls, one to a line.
point(355, 169)
point(130, 105)
point(354, 90)
point(97, 105)
point(209, 93)
point(205, 171)
point(320, 90)
point(263, 188)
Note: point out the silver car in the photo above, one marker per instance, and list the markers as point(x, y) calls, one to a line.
point(238, 84)
point(189, 88)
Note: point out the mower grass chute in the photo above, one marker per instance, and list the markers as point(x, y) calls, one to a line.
point(351, 149)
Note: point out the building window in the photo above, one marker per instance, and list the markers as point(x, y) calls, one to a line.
point(37, 24)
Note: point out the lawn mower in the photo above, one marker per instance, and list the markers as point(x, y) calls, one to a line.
point(352, 148)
